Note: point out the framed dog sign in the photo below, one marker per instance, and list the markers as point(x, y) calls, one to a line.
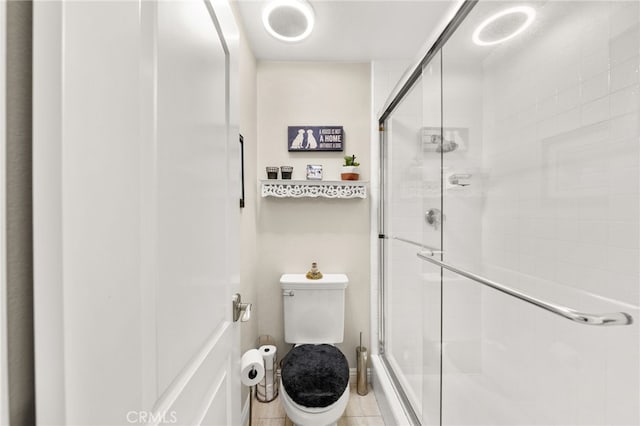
point(315, 138)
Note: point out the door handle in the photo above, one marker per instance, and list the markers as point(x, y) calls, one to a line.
point(241, 311)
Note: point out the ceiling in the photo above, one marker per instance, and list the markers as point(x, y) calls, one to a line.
point(353, 30)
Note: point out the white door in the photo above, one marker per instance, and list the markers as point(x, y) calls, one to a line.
point(135, 213)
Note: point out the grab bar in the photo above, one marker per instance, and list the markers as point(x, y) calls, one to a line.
point(432, 250)
point(615, 318)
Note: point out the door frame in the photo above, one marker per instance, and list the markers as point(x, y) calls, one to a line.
point(4, 367)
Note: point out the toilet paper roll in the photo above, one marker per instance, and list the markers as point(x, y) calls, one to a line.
point(251, 367)
point(268, 353)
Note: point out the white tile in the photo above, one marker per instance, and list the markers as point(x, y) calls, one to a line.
point(625, 101)
point(569, 98)
point(624, 46)
point(624, 234)
point(527, 115)
point(623, 208)
point(548, 127)
point(591, 278)
point(595, 87)
point(567, 273)
point(625, 74)
point(624, 15)
point(624, 127)
point(622, 287)
point(568, 230)
point(624, 153)
point(594, 232)
point(623, 261)
point(622, 383)
point(624, 181)
point(595, 111)
point(595, 35)
point(569, 120)
point(547, 107)
point(588, 254)
point(594, 63)
point(546, 269)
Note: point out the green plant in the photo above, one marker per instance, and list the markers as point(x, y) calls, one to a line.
point(350, 160)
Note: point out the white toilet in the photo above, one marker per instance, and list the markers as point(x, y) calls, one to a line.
point(315, 374)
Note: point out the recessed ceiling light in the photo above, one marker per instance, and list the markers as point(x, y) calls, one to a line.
point(504, 25)
point(288, 20)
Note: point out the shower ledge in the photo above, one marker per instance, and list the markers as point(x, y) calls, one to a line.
point(286, 188)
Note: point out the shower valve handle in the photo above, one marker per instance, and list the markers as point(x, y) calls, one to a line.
point(434, 217)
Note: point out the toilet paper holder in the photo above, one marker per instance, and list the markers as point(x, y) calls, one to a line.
point(267, 388)
point(241, 311)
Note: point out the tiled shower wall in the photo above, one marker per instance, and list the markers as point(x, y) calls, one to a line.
point(560, 221)
point(562, 149)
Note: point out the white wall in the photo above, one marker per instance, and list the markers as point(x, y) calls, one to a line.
point(292, 233)
point(248, 129)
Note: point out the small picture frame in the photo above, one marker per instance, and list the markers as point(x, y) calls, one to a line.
point(314, 172)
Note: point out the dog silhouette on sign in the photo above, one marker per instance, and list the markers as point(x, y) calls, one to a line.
point(312, 143)
point(297, 142)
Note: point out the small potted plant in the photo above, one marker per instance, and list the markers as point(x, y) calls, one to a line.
point(350, 170)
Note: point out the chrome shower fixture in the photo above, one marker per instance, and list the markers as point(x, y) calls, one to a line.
point(434, 218)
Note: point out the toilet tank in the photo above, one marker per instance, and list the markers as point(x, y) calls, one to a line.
point(313, 309)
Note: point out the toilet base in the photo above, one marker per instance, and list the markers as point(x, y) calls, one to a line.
point(332, 424)
point(304, 416)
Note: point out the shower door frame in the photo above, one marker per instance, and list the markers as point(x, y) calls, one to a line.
point(393, 101)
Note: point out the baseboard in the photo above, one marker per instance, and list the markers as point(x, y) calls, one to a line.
point(353, 372)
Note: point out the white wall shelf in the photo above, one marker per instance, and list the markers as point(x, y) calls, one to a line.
point(280, 188)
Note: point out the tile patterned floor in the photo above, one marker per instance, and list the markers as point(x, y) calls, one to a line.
point(361, 411)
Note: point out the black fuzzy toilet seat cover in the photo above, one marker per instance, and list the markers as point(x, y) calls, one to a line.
point(315, 375)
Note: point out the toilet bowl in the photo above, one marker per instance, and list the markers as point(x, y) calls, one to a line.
point(314, 374)
point(306, 416)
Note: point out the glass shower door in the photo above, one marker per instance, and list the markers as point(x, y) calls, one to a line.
point(516, 165)
point(413, 223)
point(542, 196)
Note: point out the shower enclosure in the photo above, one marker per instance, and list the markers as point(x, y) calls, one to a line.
point(510, 219)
